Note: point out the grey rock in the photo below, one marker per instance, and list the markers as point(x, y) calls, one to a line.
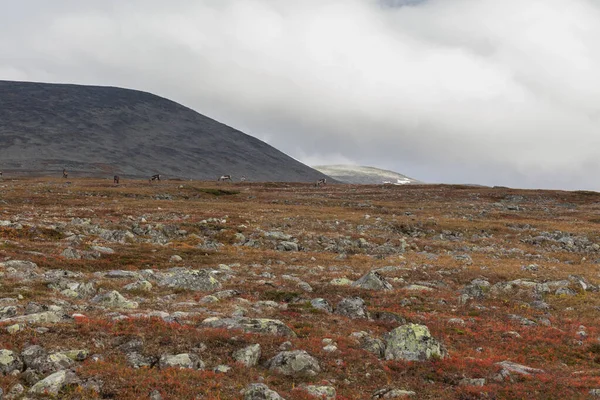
point(322, 392)
point(412, 342)
point(251, 325)
point(389, 393)
point(141, 285)
point(114, 299)
point(518, 368)
point(288, 246)
point(373, 281)
point(352, 307)
point(294, 363)
point(321, 304)
point(472, 382)
point(260, 391)
point(54, 383)
point(9, 362)
point(565, 291)
point(248, 356)
point(122, 274)
point(196, 280)
point(181, 361)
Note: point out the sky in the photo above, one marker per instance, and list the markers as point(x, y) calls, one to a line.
point(446, 91)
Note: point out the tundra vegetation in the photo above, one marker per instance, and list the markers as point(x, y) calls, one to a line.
point(204, 290)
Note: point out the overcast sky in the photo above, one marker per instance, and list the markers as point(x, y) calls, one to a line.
point(497, 92)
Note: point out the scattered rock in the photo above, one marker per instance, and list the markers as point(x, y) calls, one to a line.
point(181, 361)
point(248, 356)
point(260, 391)
point(9, 362)
point(196, 280)
point(412, 342)
point(252, 325)
point(114, 299)
point(373, 281)
point(294, 363)
point(352, 307)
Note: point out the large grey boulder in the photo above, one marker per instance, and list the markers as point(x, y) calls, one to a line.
point(352, 307)
point(114, 299)
point(53, 384)
point(181, 361)
point(412, 342)
point(251, 325)
point(260, 391)
point(249, 355)
point(373, 281)
point(197, 280)
point(321, 392)
point(294, 363)
point(9, 362)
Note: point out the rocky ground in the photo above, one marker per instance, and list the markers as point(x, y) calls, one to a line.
point(191, 290)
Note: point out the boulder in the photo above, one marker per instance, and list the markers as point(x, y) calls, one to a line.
point(114, 299)
point(249, 355)
point(297, 363)
point(373, 281)
point(181, 361)
point(352, 307)
point(412, 342)
point(251, 325)
point(197, 280)
point(260, 391)
point(9, 362)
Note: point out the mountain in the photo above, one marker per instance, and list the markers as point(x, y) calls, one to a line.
point(101, 131)
point(364, 175)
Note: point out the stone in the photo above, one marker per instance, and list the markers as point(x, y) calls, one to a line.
point(373, 281)
point(249, 355)
point(9, 362)
point(260, 391)
point(518, 368)
point(175, 258)
point(321, 304)
point(251, 325)
point(53, 384)
point(195, 280)
point(340, 282)
point(181, 361)
point(412, 342)
point(288, 246)
point(322, 392)
point(103, 250)
point(389, 393)
point(352, 307)
point(114, 299)
point(472, 382)
point(141, 285)
point(297, 363)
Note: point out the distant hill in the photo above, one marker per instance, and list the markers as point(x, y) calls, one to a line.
point(364, 175)
point(101, 131)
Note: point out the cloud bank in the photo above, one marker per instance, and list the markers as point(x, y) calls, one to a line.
point(463, 91)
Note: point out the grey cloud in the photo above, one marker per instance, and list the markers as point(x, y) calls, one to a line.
point(478, 91)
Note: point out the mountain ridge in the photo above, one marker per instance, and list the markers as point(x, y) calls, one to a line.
point(105, 130)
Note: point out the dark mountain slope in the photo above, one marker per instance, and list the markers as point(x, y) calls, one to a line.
point(100, 131)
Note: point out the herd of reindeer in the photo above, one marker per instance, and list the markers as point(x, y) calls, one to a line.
point(156, 177)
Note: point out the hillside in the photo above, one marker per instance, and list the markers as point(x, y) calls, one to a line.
point(361, 175)
point(182, 290)
point(101, 131)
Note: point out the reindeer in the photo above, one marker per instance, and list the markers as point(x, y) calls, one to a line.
point(154, 178)
point(322, 181)
point(224, 178)
point(65, 173)
point(116, 179)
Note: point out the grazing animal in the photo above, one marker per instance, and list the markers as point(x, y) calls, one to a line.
point(65, 173)
point(0, 173)
point(116, 179)
point(224, 178)
point(154, 178)
point(322, 181)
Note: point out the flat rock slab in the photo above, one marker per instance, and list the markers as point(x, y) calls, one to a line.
point(251, 325)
